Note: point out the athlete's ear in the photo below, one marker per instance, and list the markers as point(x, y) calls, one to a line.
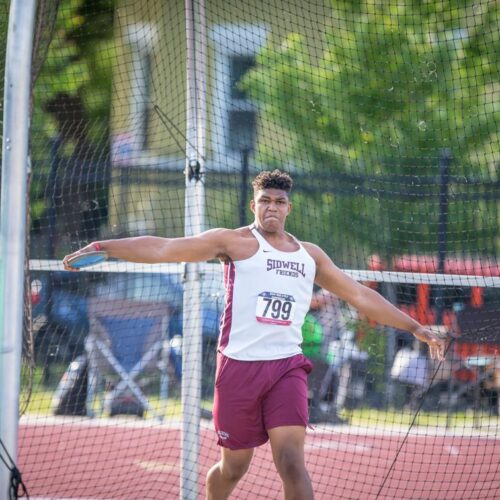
point(252, 206)
point(289, 207)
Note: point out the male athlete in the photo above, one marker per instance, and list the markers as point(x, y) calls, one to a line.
point(261, 380)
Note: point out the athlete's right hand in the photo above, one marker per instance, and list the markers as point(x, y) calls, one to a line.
point(437, 343)
point(91, 247)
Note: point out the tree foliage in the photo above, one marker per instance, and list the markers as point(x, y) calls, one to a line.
point(396, 83)
point(72, 97)
point(77, 65)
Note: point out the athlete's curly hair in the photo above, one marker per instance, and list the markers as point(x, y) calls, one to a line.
point(273, 180)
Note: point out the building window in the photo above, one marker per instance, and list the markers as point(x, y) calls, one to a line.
point(141, 39)
point(239, 66)
point(233, 115)
point(242, 128)
point(242, 115)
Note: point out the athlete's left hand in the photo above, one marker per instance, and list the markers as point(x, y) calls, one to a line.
point(437, 342)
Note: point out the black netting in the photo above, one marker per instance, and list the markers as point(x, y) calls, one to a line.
point(386, 116)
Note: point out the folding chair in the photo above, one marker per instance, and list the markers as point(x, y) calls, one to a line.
point(127, 340)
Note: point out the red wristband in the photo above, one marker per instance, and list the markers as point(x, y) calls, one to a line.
point(97, 247)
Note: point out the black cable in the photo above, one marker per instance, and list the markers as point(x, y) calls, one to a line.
point(422, 398)
point(16, 480)
point(164, 119)
point(194, 167)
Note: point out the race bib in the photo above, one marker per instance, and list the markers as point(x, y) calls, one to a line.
point(275, 308)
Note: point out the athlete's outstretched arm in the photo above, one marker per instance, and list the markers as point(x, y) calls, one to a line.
point(369, 302)
point(154, 249)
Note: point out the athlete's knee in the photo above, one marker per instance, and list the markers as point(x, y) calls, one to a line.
point(233, 470)
point(290, 464)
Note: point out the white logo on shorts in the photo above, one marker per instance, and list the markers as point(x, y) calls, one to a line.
point(223, 435)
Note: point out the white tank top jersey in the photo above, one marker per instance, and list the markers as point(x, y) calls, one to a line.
point(267, 297)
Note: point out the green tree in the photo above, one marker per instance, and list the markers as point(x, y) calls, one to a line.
point(71, 105)
point(76, 64)
point(396, 82)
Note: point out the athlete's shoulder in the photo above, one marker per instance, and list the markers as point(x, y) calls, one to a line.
point(315, 251)
point(311, 247)
point(222, 232)
point(225, 233)
point(236, 243)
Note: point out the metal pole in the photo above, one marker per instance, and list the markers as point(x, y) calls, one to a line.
point(389, 292)
point(444, 175)
point(51, 206)
point(194, 223)
point(245, 153)
point(13, 220)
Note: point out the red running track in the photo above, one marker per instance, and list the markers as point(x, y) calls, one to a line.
point(91, 460)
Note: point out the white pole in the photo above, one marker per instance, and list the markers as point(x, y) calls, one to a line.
point(13, 220)
point(194, 224)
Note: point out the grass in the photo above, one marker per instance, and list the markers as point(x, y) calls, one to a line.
point(44, 388)
point(40, 403)
point(369, 417)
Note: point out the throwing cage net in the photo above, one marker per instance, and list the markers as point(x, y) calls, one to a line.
point(153, 117)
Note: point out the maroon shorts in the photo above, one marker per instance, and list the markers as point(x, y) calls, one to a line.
point(254, 396)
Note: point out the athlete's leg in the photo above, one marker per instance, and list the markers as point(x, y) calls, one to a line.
point(225, 474)
point(286, 417)
point(287, 444)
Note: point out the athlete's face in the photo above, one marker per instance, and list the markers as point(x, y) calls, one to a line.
point(271, 208)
